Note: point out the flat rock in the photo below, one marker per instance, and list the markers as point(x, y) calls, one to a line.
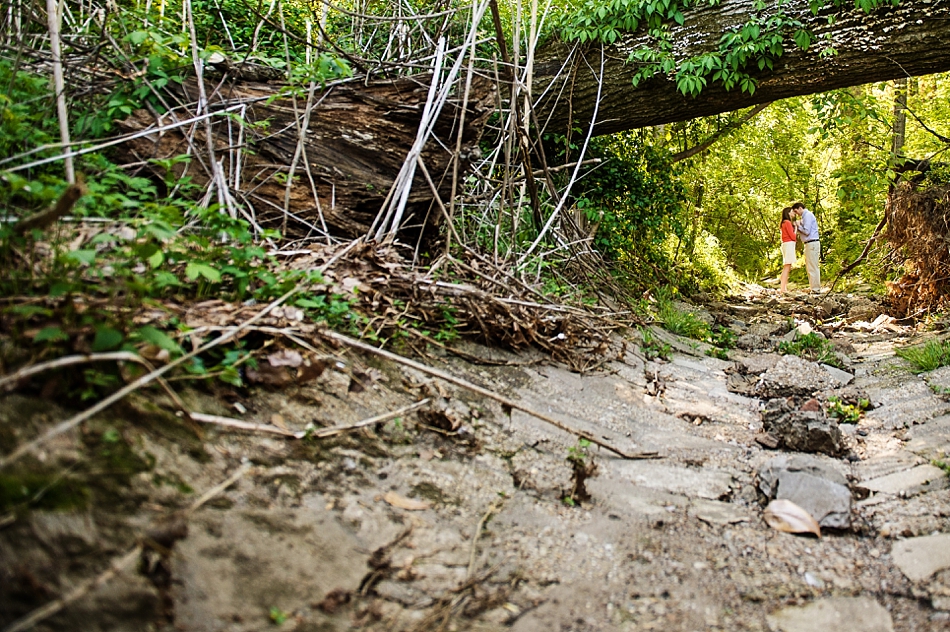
point(794, 376)
point(811, 483)
point(842, 377)
point(919, 558)
point(930, 438)
point(882, 465)
point(923, 478)
point(694, 483)
point(755, 363)
point(716, 512)
point(939, 379)
point(838, 614)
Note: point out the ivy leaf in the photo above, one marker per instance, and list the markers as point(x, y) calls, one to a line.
point(194, 269)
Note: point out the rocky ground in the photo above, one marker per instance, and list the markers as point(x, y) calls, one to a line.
point(454, 517)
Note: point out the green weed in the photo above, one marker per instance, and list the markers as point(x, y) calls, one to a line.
point(811, 346)
point(278, 616)
point(929, 356)
point(682, 323)
point(583, 467)
point(653, 348)
point(847, 413)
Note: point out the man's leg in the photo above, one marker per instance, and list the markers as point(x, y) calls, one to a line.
point(812, 255)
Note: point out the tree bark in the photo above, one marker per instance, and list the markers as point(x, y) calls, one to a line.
point(890, 42)
point(356, 141)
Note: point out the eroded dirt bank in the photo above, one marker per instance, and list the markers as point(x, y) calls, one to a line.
point(453, 517)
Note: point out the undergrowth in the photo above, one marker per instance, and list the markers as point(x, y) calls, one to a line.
point(927, 357)
point(811, 346)
point(80, 285)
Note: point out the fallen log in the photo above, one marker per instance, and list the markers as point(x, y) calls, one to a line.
point(356, 140)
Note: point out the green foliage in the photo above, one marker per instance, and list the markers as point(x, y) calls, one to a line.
point(847, 413)
point(583, 467)
point(755, 45)
point(927, 357)
point(811, 346)
point(722, 339)
point(278, 616)
point(654, 348)
point(681, 323)
point(634, 197)
point(155, 248)
point(943, 465)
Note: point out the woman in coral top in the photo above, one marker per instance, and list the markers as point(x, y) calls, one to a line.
point(788, 247)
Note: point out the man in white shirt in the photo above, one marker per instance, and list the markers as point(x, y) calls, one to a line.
point(808, 233)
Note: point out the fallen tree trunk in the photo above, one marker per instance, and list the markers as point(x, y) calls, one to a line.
point(356, 141)
point(890, 42)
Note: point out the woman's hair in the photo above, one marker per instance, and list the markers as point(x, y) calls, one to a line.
point(787, 213)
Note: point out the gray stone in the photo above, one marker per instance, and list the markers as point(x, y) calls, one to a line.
point(812, 484)
point(750, 342)
point(756, 363)
point(842, 377)
point(794, 376)
point(903, 400)
point(767, 329)
point(716, 512)
point(939, 379)
point(919, 558)
point(883, 465)
point(803, 431)
point(930, 439)
point(837, 614)
point(923, 478)
point(695, 483)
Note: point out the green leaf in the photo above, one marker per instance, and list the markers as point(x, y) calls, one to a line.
point(82, 257)
point(194, 269)
point(158, 338)
point(50, 334)
point(156, 259)
point(106, 339)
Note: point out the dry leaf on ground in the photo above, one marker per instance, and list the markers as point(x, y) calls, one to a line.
point(402, 502)
point(285, 357)
point(784, 515)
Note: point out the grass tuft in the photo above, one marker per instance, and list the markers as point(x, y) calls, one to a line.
point(927, 357)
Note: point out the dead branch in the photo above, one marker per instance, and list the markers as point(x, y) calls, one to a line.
point(864, 253)
point(62, 207)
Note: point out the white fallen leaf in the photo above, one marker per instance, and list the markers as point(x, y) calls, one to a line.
point(784, 515)
point(285, 357)
point(402, 502)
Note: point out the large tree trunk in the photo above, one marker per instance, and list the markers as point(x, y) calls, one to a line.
point(891, 42)
point(356, 141)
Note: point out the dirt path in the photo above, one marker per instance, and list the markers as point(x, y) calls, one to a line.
point(454, 518)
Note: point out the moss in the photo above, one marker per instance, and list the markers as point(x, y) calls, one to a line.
point(28, 488)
